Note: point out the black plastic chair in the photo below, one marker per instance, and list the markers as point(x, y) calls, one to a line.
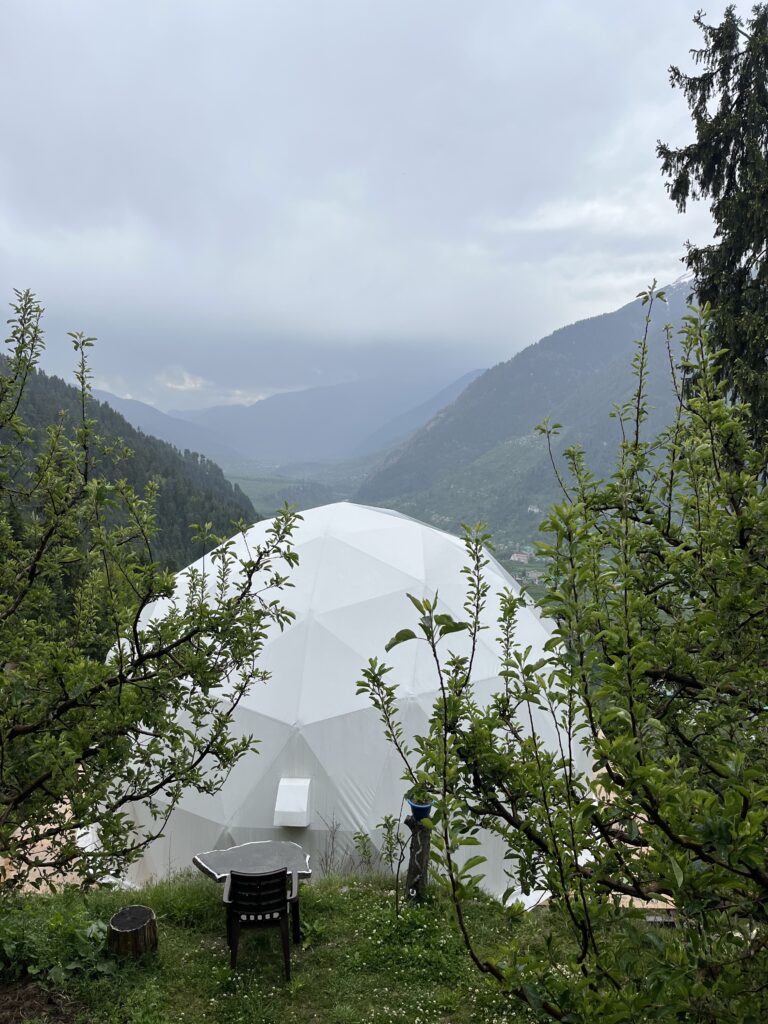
point(261, 900)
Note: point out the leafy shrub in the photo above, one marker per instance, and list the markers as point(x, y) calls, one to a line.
point(51, 937)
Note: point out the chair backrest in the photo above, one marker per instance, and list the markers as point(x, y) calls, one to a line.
point(263, 892)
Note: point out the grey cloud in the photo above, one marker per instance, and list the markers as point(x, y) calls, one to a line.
point(266, 195)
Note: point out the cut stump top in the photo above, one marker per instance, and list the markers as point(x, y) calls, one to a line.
point(129, 919)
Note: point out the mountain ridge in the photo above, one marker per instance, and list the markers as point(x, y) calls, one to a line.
point(479, 458)
point(327, 423)
point(192, 488)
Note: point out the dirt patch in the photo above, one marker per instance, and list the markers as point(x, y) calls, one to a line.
point(30, 1002)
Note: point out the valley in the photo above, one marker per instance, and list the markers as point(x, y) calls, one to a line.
point(467, 452)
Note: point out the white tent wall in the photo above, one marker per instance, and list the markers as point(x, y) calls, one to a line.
point(356, 566)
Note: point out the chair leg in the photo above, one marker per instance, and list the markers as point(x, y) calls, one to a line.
point(234, 941)
point(295, 921)
point(286, 947)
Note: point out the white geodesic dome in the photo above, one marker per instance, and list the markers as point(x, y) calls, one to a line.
point(356, 566)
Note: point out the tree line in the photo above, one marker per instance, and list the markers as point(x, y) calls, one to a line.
point(190, 488)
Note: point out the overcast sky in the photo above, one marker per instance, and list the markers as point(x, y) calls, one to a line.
point(239, 197)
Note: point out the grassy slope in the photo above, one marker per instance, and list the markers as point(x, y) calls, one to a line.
point(358, 965)
point(269, 494)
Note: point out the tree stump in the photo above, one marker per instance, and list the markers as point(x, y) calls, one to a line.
point(418, 862)
point(132, 932)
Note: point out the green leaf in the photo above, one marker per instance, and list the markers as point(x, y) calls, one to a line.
point(532, 996)
point(454, 627)
point(677, 871)
point(400, 638)
point(473, 862)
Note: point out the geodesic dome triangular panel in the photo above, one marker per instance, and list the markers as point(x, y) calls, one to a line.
point(356, 566)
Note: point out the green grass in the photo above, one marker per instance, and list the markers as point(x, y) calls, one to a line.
point(269, 494)
point(358, 964)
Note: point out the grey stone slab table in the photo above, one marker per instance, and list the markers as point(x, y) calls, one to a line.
point(268, 855)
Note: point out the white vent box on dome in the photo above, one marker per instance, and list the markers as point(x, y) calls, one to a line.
point(292, 804)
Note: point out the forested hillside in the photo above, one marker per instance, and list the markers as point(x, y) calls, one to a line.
point(192, 489)
point(180, 433)
point(480, 458)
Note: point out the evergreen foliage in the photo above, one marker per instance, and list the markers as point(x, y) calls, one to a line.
point(115, 686)
point(658, 593)
point(190, 488)
point(728, 164)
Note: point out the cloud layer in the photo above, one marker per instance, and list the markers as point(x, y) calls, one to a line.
point(242, 196)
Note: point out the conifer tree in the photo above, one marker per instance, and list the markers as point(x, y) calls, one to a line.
point(727, 163)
